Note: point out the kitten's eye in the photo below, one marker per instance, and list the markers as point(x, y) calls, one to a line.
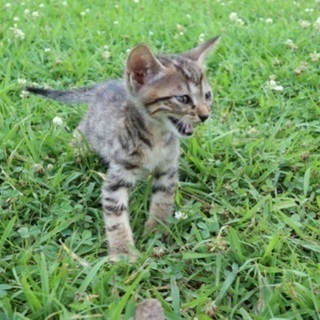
point(185, 99)
point(208, 95)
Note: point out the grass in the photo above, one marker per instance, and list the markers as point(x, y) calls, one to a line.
point(249, 246)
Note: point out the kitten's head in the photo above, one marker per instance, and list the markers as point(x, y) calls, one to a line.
point(172, 89)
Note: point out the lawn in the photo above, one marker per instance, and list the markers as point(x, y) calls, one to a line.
point(246, 241)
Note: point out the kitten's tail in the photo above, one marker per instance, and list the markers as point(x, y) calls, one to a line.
point(81, 95)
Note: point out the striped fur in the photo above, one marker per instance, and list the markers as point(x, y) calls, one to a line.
point(135, 125)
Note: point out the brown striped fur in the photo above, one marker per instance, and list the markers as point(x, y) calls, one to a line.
point(134, 125)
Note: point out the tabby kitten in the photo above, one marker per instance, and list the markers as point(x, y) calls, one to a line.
point(134, 126)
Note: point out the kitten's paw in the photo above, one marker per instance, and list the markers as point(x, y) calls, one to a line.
point(115, 257)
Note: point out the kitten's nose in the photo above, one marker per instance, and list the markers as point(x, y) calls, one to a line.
point(203, 117)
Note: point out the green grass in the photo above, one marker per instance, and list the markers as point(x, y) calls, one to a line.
point(249, 247)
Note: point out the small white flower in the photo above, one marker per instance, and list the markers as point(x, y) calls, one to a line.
point(116, 22)
point(301, 68)
point(188, 16)
point(16, 19)
point(87, 10)
point(151, 33)
point(317, 24)
point(22, 81)
point(309, 10)
point(315, 57)
point(136, 1)
point(269, 20)
point(26, 11)
point(272, 84)
point(82, 13)
point(233, 16)
point(304, 24)
point(180, 215)
point(57, 121)
point(291, 44)
point(278, 88)
point(106, 54)
point(35, 14)
point(46, 50)
point(8, 5)
point(41, 5)
point(116, 6)
point(201, 38)
point(65, 3)
point(50, 167)
point(240, 22)
point(18, 33)
point(24, 94)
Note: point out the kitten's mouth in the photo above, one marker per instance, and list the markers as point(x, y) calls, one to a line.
point(184, 128)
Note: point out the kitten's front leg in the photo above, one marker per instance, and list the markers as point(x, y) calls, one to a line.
point(163, 190)
point(115, 194)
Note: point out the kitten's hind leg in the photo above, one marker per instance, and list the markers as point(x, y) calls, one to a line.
point(162, 200)
point(115, 195)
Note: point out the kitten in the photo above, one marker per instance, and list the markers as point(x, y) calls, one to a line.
point(135, 124)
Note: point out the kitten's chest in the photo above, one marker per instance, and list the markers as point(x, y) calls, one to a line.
point(163, 151)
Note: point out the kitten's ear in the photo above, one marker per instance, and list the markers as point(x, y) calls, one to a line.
point(142, 66)
point(200, 52)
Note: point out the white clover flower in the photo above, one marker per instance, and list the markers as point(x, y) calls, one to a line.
point(317, 24)
point(35, 14)
point(116, 22)
point(151, 33)
point(291, 44)
point(82, 13)
point(16, 19)
point(180, 215)
point(301, 68)
point(188, 16)
point(240, 22)
point(24, 94)
point(308, 10)
point(65, 3)
point(201, 38)
point(278, 88)
point(315, 57)
point(50, 167)
point(22, 81)
point(271, 84)
point(233, 16)
point(8, 5)
point(41, 5)
point(106, 54)
point(57, 121)
point(18, 33)
point(26, 11)
point(304, 24)
point(87, 10)
point(46, 50)
point(269, 20)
